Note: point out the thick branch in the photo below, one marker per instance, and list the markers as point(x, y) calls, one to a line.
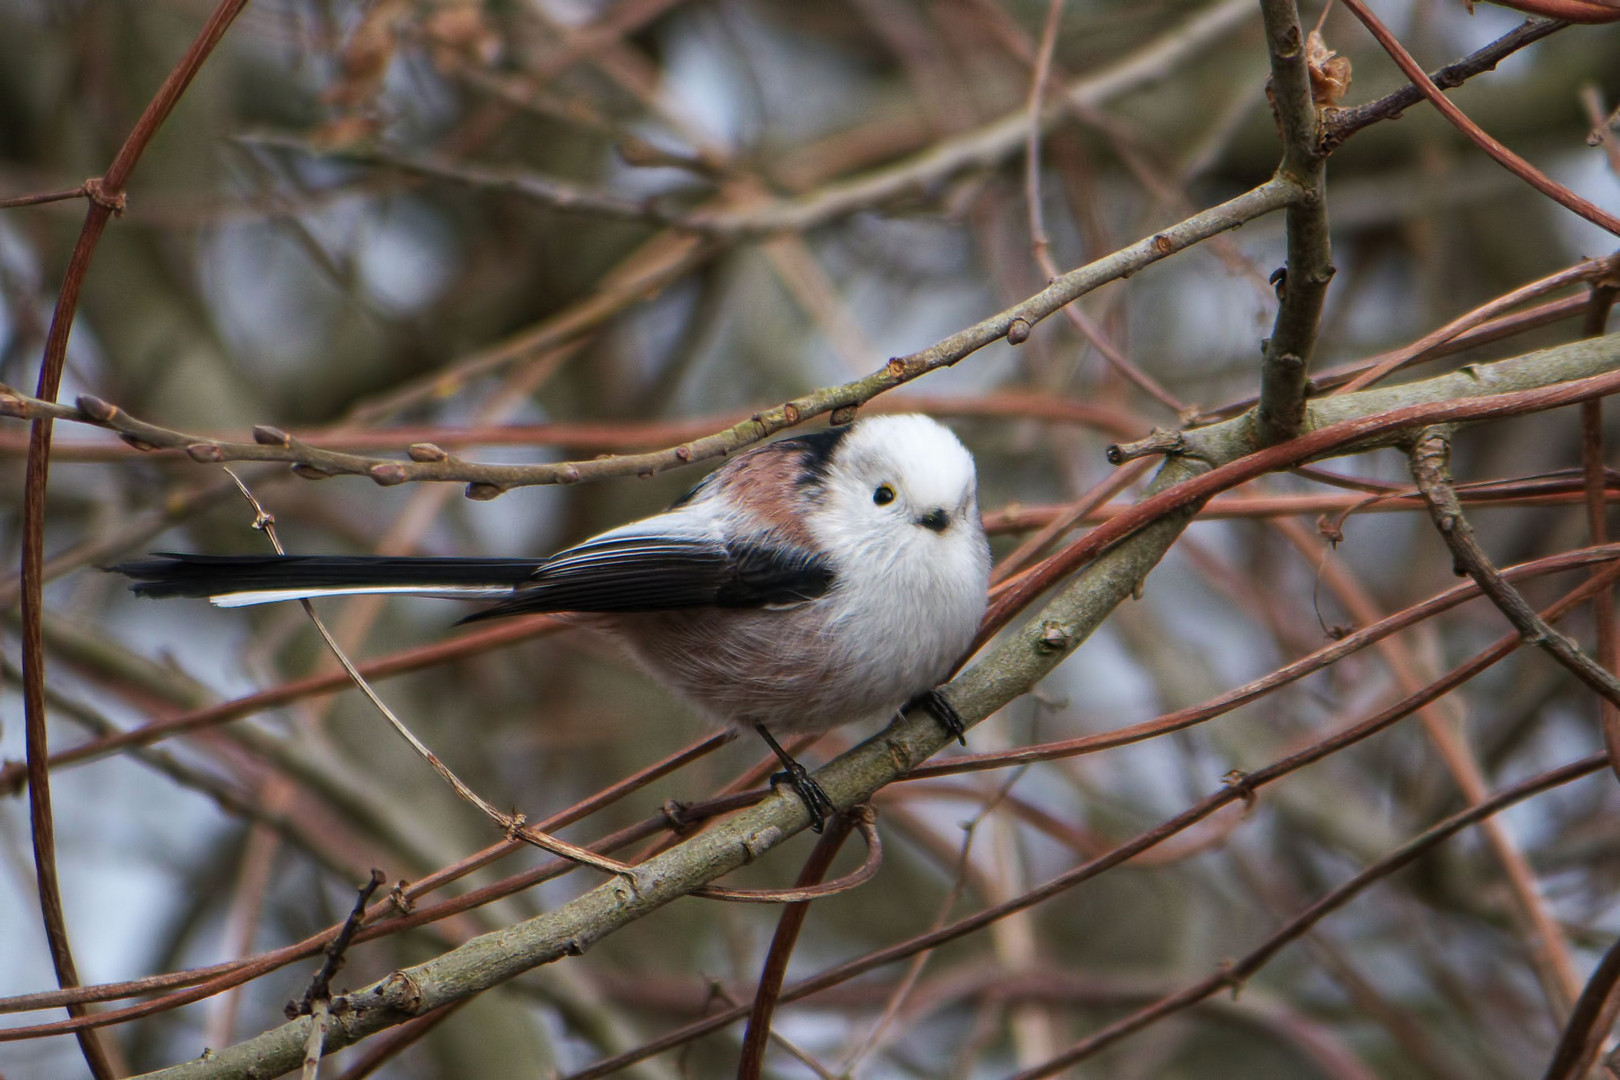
point(1304, 283)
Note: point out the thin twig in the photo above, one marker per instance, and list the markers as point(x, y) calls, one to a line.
point(320, 986)
point(1032, 143)
point(512, 824)
point(1595, 474)
point(1589, 1022)
point(105, 198)
point(80, 192)
point(1233, 975)
point(1503, 156)
point(490, 480)
point(1184, 498)
point(1431, 469)
point(378, 1053)
point(1340, 124)
point(865, 821)
point(752, 1059)
point(399, 663)
point(320, 1020)
point(1587, 270)
point(1318, 660)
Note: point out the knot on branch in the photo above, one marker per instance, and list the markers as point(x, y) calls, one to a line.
point(1159, 442)
point(95, 190)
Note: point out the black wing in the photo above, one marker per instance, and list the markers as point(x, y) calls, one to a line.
point(630, 571)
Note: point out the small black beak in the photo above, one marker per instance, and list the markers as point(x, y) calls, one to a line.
point(936, 520)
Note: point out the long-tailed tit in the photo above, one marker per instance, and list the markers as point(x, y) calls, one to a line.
point(810, 582)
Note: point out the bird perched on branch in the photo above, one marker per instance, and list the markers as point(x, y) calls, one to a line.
point(810, 582)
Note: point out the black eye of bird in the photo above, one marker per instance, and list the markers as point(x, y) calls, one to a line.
point(884, 495)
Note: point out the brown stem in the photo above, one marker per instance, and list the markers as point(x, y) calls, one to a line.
point(1589, 1022)
point(787, 934)
point(106, 198)
point(1431, 468)
point(1233, 975)
point(1503, 156)
point(1597, 518)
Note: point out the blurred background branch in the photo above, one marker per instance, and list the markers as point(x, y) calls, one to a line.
point(524, 243)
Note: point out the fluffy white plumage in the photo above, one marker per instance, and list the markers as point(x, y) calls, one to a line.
point(905, 598)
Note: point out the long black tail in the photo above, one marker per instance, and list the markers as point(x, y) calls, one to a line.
point(239, 580)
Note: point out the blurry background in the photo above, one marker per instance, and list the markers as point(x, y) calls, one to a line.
point(315, 240)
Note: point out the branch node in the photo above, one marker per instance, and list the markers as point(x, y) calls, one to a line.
point(677, 817)
point(96, 192)
point(481, 492)
point(205, 453)
point(1018, 331)
point(1238, 781)
point(1055, 637)
point(402, 992)
point(758, 843)
point(265, 435)
point(310, 472)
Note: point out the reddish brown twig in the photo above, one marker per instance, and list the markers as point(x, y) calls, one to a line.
point(1431, 467)
point(1595, 474)
point(1505, 157)
point(788, 926)
point(1575, 11)
point(1588, 270)
point(864, 819)
point(80, 192)
point(1318, 660)
point(378, 1053)
point(1589, 1022)
point(197, 719)
point(105, 198)
point(1018, 592)
point(1233, 975)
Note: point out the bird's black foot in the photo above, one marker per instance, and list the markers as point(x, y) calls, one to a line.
point(815, 799)
point(809, 792)
point(943, 711)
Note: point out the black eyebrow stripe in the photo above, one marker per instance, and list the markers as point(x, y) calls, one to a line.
point(816, 452)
